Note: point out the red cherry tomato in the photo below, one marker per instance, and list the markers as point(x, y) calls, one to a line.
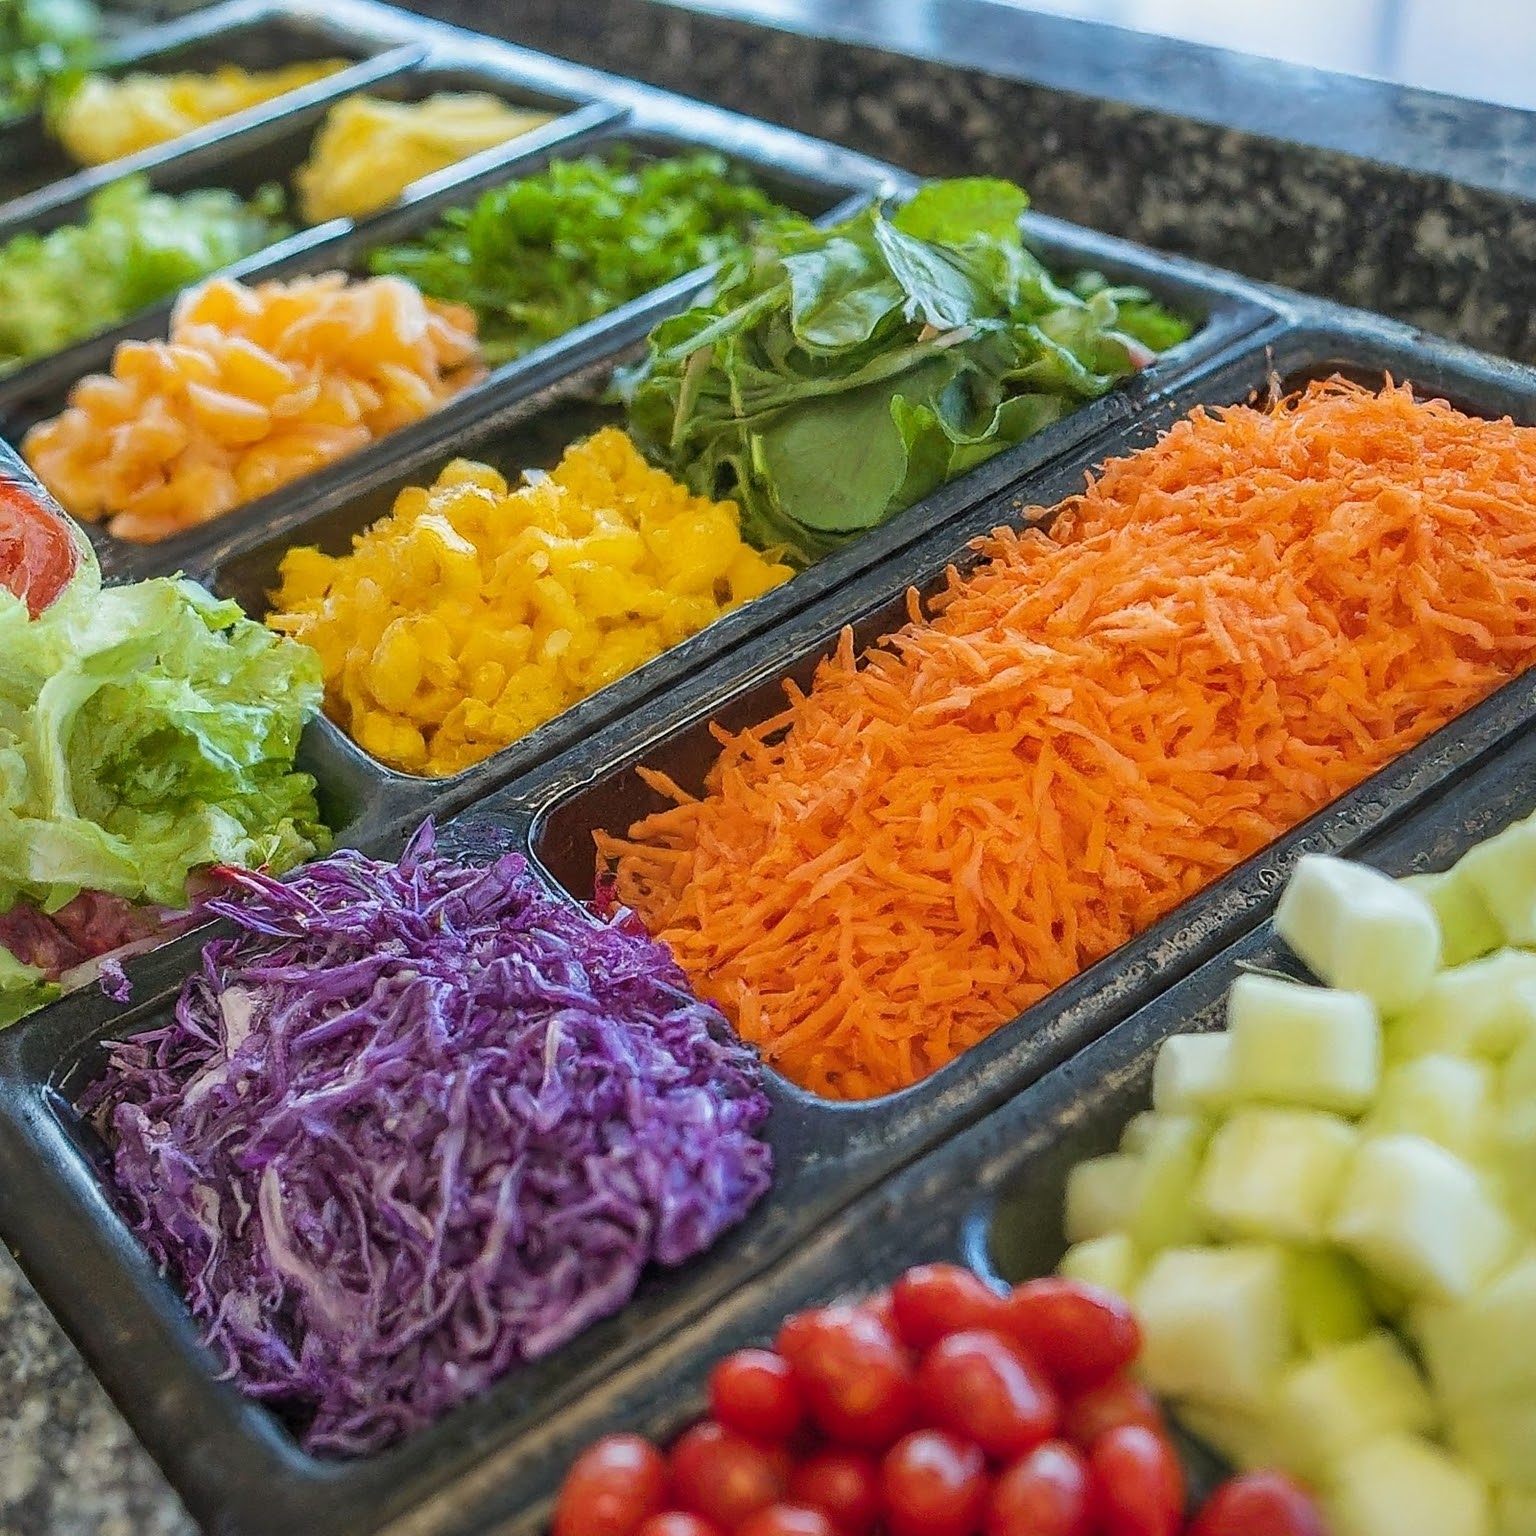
point(675, 1524)
point(935, 1300)
point(1081, 1334)
point(843, 1485)
point(854, 1377)
point(1122, 1400)
point(614, 1485)
point(880, 1307)
point(753, 1392)
point(722, 1475)
point(787, 1520)
point(933, 1483)
point(1259, 1504)
point(1045, 1493)
point(979, 1385)
point(1137, 1483)
point(38, 554)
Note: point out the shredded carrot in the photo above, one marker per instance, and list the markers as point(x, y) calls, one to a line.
point(1221, 635)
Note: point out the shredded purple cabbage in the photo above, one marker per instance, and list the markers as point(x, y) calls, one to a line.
point(417, 1123)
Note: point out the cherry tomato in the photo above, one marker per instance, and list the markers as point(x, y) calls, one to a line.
point(844, 1485)
point(1122, 1400)
point(935, 1300)
point(854, 1377)
point(614, 1485)
point(787, 1520)
point(1259, 1504)
point(753, 1391)
point(980, 1386)
point(675, 1524)
point(722, 1475)
point(1137, 1483)
point(38, 554)
point(933, 1483)
point(880, 1307)
point(1081, 1334)
point(1045, 1493)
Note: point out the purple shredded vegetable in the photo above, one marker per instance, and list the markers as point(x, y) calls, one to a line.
point(416, 1123)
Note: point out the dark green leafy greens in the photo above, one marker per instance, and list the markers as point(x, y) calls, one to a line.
point(135, 247)
point(543, 255)
point(840, 375)
point(40, 42)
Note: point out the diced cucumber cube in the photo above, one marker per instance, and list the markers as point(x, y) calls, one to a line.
point(1139, 1132)
point(1191, 1074)
point(1514, 1512)
point(1244, 1439)
point(1214, 1323)
point(1467, 927)
point(1101, 1196)
point(1482, 1008)
point(1329, 1302)
point(1271, 1175)
point(1310, 1046)
point(1502, 871)
point(1403, 1486)
point(1448, 1100)
point(1360, 930)
point(1165, 1213)
point(1483, 1347)
point(1420, 1217)
point(1497, 1438)
point(1110, 1262)
point(1346, 1397)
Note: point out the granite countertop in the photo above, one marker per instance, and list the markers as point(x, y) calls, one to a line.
point(1388, 198)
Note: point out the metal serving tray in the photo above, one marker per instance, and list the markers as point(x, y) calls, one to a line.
point(237, 1468)
point(991, 1197)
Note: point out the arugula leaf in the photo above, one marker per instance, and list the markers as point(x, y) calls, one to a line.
point(837, 376)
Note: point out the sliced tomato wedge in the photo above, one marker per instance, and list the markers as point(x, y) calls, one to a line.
point(38, 553)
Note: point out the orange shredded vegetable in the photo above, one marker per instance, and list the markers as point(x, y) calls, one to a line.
point(1224, 633)
point(254, 388)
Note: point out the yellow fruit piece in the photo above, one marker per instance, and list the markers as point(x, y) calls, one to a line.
point(105, 119)
point(475, 612)
point(368, 151)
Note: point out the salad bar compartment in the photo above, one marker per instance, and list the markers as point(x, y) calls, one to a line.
point(723, 702)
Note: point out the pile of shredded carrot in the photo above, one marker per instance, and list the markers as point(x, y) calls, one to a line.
point(255, 387)
point(1225, 632)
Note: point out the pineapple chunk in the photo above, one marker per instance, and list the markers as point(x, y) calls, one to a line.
point(1346, 1397)
point(1479, 1009)
point(1421, 1218)
point(1329, 1300)
point(1502, 871)
point(1467, 927)
point(1310, 1046)
point(1496, 1438)
point(1272, 1174)
point(1243, 1439)
point(1214, 1323)
point(1139, 1132)
point(1191, 1073)
point(1360, 930)
point(1483, 1347)
point(1403, 1486)
point(1514, 1512)
point(1448, 1100)
point(1101, 1196)
point(1110, 1262)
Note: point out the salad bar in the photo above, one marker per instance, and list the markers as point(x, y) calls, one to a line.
point(620, 723)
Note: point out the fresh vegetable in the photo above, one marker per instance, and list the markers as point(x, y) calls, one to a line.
point(1222, 634)
point(108, 117)
point(472, 614)
point(40, 42)
point(146, 732)
point(931, 1435)
point(836, 376)
point(255, 387)
point(135, 248)
point(1338, 1283)
point(446, 1122)
point(545, 254)
point(368, 150)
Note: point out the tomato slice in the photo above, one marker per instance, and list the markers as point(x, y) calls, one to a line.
point(38, 553)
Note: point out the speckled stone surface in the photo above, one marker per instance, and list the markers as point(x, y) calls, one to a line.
point(69, 1465)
